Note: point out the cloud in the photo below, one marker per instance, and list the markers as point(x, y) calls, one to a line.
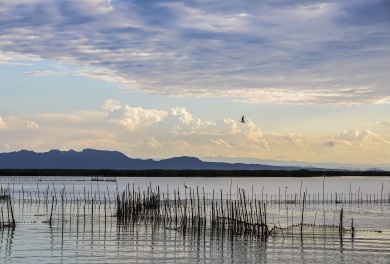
point(256, 52)
point(42, 73)
point(3, 125)
point(139, 132)
point(64, 138)
point(111, 105)
point(11, 58)
point(107, 76)
point(132, 117)
point(221, 142)
point(31, 124)
point(182, 114)
point(211, 137)
point(6, 146)
point(365, 138)
point(366, 13)
point(334, 143)
point(152, 142)
point(14, 63)
point(203, 20)
point(381, 123)
point(81, 118)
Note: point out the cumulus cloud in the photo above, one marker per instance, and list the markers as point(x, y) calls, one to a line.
point(213, 137)
point(365, 138)
point(264, 51)
point(31, 124)
point(132, 117)
point(139, 132)
point(349, 146)
point(111, 105)
point(3, 125)
point(182, 114)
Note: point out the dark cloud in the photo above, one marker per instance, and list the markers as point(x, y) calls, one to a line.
point(330, 143)
point(366, 12)
point(72, 16)
point(268, 50)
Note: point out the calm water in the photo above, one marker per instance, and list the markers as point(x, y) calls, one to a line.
point(78, 235)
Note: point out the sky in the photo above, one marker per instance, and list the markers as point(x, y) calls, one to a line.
point(161, 78)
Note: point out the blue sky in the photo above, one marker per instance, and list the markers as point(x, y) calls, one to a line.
point(157, 79)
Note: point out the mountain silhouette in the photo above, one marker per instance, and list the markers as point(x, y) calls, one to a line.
point(104, 159)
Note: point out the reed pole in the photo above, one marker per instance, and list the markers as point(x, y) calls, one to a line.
point(303, 210)
point(51, 212)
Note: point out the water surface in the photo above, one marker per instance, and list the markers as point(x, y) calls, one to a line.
point(78, 236)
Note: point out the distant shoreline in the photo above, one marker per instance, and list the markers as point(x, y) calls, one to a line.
point(188, 173)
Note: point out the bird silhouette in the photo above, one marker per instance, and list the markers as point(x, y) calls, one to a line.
point(242, 119)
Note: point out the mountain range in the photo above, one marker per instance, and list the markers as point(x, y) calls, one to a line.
point(103, 159)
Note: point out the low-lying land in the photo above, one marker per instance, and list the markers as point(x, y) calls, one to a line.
point(189, 173)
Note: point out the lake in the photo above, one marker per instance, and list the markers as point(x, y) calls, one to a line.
point(85, 227)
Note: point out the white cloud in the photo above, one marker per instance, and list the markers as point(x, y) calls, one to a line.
point(181, 122)
point(12, 58)
point(228, 125)
point(365, 138)
point(111, 105)
point(14, 63)
point(254, 132)
point(350, 146)
point(220, 142)
point(31, 124)
point(356, 146)
point(182, 113)
point(107, 76)
point(212, 137)
point(3, 125)
point(140, 132)
point(152, 142)
point(134, 117)
point(42, 73)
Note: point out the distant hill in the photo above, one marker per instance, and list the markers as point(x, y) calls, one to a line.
point(302, 164)
point(114, 160)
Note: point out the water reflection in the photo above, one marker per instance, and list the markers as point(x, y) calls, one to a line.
point(6, 238)
point(85, 227)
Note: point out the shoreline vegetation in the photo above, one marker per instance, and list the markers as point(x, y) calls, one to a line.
point(190, 173)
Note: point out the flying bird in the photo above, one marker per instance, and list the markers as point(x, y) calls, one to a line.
point(242, 119)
